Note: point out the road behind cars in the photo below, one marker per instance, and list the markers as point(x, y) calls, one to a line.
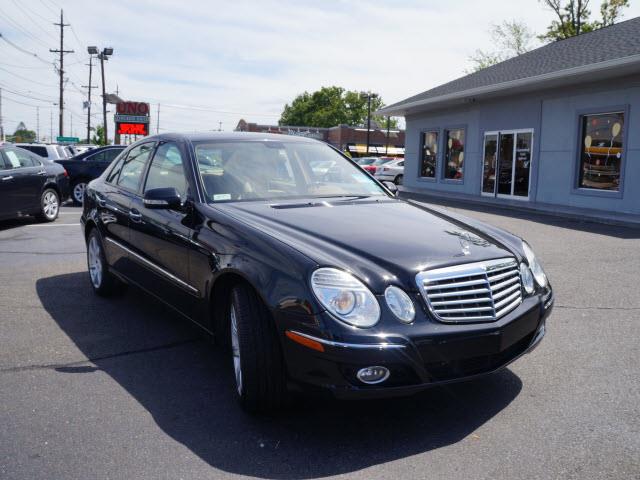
point(95, 388)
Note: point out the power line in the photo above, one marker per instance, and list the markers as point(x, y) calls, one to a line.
point(24, 66)
point(35, 55)
point(27, 79)
point(25, 95)
point(208, 109)
point(22, 30)
point(24, 9)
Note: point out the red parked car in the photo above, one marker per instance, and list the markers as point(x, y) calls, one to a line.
point(371, 164)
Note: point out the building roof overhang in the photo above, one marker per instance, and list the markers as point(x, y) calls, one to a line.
point(609, 69)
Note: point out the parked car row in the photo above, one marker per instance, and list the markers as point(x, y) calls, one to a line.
point(383, 168)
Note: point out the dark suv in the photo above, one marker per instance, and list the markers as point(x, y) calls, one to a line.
point(240, 234)
point(86, 166)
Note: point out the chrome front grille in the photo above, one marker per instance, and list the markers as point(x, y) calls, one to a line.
point(472, 292)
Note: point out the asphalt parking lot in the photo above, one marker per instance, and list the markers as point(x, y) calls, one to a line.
point(121, 388)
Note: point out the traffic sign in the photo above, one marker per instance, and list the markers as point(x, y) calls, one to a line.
point(67, 139)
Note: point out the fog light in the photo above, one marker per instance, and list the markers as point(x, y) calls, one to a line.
point(371, 375)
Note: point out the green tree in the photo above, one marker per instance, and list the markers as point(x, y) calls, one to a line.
point(22, 135)
point(98, 137)
point(573, 17)
point(331, 106)
point(511, 38)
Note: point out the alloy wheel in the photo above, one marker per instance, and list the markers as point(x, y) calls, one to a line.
point(235, 348)
point(78, 191)
point(50, 205)
point(95, 262)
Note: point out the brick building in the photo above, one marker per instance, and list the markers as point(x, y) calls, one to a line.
point(346, 138)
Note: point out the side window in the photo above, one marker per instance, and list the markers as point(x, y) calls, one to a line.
point(112, 176)
point(167, 170)
point(109, 155)
point(41, 151)
point(19, 159)
point(97, 157)
point(4, 162)
point(133, 166)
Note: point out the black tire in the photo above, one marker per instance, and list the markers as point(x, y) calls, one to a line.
point(49, 205)
point(262, 386)
point(107, 284)
point(398, 180)
point(76, 184)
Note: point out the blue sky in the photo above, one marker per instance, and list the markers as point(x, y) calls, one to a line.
point(208, 61)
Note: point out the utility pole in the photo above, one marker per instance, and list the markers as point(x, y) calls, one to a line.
point(1, 123)
point(219, 126)
point(51, 125)
point(62, 51)
point(92, 51)
point(71, 124)
point(37, 124)
point(158, 121)
point(386, 151)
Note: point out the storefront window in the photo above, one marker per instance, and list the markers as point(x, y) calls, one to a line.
point(454, 156)
point(429, 154)
point(601, 152)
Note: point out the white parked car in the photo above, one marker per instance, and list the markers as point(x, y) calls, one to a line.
point(391, 172)
point(48, 151)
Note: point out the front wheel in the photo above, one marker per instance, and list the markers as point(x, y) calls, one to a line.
point(398, 180)
point(49, 206)
point(257, 360)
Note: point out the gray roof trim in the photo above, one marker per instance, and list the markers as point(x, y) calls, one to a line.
point(556, 78)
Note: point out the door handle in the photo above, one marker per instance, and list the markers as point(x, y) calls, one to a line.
point(135, 216)
point(6, 179)
point(42, 172)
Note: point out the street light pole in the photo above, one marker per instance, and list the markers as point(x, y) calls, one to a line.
point(104, 102)
point(91, 51)
point(104, 55)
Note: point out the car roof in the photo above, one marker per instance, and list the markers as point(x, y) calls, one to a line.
point(231, 137)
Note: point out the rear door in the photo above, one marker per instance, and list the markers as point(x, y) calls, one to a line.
point(114, 200)
point(161, 238)
point(6, 186)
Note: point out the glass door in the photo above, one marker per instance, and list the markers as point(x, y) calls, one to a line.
point(507, 163)
point(489, 164)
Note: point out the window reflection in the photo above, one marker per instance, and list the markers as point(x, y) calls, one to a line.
point(454, 156)
point(601, 152)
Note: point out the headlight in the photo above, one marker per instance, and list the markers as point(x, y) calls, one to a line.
point(400, 304)
point(346, 297)
point(527, 278)
point(534, 265)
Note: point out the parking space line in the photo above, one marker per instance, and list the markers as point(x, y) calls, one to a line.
point(55, 225)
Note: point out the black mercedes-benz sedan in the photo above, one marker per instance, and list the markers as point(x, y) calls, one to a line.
point(30, 185)
point(312, 277)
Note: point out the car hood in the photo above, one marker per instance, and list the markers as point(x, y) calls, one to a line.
point(381, 241)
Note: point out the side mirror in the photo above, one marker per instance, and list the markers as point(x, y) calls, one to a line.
point(392, 187)
point(163, 198)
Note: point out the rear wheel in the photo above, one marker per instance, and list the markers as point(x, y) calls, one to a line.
point(257, 360)
point(398, 180)
point(104, 283)
point(77, 191)
point(49, 206)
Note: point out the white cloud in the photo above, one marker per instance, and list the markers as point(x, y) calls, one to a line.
point(248, 58)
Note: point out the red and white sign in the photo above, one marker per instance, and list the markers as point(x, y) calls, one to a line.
point(132, 108)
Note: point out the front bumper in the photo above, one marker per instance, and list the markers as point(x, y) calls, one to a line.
point(435, 354)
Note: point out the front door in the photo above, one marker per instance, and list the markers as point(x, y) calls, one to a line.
point(24, 180)
point(506, 169)
point(161, 238)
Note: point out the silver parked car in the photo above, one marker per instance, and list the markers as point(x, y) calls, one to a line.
point(391, 172)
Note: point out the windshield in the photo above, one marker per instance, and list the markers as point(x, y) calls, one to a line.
point(278, 170)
